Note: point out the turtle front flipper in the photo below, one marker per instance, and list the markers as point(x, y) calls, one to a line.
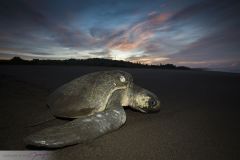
point(80, 130)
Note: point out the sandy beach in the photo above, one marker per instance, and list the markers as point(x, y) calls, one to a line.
point(199, 118)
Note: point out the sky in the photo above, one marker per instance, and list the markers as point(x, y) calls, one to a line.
point(194, 33)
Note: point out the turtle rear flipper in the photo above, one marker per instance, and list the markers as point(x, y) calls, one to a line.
point(82, 129)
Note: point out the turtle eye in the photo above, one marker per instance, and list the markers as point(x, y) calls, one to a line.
point(152, 102)
point(122, 79)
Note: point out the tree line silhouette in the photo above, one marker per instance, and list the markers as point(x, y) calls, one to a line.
point(89, 62)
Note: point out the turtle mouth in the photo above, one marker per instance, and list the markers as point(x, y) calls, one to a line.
point(142, 110)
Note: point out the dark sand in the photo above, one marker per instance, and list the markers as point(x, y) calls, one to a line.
point(199, 117)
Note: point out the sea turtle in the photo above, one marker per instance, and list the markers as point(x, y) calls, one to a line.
point(95, 102)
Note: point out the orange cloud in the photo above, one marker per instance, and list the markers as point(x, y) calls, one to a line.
point(126, 44)
point(138, 34)
point(148, 59)
point(157, 19)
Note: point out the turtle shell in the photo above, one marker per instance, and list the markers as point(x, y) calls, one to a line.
point(87, 94)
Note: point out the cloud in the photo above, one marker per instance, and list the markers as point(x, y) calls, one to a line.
point(147, 59)
point(208, 13)
point(51, 31)
point(138, 34)
point(220, 48)
point(21, 11)
point(31, 21)
point(194, 33)
point(100, 54)
point(69, 37)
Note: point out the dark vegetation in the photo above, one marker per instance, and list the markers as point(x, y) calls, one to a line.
point(89, 62)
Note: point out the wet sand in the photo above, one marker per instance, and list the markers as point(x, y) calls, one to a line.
point(199, 118)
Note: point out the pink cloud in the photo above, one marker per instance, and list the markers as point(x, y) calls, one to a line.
point(138, 34)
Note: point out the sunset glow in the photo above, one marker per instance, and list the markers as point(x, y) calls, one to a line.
point(195, 33)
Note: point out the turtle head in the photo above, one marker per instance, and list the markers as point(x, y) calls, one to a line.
point(143, 100)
